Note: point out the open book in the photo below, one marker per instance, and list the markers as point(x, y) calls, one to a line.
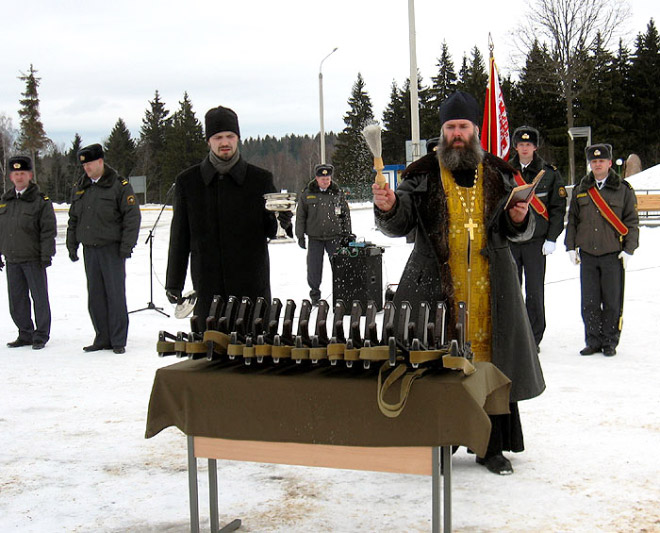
point(523, 193)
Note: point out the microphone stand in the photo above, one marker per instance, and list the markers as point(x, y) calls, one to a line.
point(150, 240)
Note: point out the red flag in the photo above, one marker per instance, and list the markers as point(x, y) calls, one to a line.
point(495, 128)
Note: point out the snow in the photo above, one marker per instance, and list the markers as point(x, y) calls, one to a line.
point(647, 179)
point(74, 457)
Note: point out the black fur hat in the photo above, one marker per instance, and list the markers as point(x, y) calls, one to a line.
point(599, 151)
point(90, 153)
point(19, 162)
point(526, 134)
point(220, 119)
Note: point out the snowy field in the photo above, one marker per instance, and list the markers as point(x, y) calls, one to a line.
point(74, 458)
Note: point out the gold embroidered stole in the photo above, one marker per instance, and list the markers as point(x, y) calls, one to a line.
point(471, 286)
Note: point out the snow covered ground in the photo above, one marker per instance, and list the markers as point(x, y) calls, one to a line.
point(73, 456)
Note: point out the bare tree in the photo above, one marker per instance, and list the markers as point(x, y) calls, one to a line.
point(7, 138)
point(569, 29)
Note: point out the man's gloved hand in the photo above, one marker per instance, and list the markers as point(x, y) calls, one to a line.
point(173, 296)
point(73, 255)
point(46, 264)
point(125, 254)
point(574, 257)
point(289, 231)
point(301, 243)
point(1, 264)
point(548, 247)
point(624, 256)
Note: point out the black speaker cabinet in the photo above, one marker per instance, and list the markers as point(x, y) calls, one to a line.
point(358, 276)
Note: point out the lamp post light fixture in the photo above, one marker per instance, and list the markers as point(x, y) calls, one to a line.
point(322, 133)
point(619, 162)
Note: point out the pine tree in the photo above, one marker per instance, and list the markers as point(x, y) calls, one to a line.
point(7, 138)
point(32, 138)
point(151, 146)
point(444, 83)
point(473, 77)
point(120, 149)
point(645, 95)
point(185, 144)
point(353, 160)
point(397, 128)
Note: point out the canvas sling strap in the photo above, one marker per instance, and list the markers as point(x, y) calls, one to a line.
point(536, 204)
point(606, 211)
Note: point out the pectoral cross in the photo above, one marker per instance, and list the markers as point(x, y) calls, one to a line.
point(470, 226)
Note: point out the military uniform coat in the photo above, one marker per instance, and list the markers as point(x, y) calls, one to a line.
point(221, 223)
point(322, 215)
point(27, 226)
point(421, 204)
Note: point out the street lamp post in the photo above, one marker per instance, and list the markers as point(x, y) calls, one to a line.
point(322, 135)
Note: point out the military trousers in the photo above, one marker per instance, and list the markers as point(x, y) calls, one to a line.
point(601, 281)
point(106, 294)
point(25, 280)
point(315, 252)
point(531, 262)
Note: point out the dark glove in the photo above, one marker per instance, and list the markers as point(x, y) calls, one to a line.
point(73, 255)
point(301, 242)
point(1, 265)
point(289, 231)
point(173, 296)
point(125, 254)
point(46, 264)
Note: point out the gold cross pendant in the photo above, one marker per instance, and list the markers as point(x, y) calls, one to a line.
point(470, 226)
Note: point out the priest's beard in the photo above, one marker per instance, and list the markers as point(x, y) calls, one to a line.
point(457, 158)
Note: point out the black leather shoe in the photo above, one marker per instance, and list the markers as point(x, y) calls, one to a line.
point(18, 343)
point(95, 348)
point(497, 464)
point(589, 350)
point(38, 345)
point(609, 351)
point(119, 349)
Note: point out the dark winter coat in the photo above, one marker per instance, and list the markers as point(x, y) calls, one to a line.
point(422, 205)
point(322, 215)
point(221, 222)
point(550, 191)
point(589, 231)
point(103, 213)
point(27, 226)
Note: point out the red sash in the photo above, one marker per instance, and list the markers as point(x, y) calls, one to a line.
point(537, 204)
point(607, 212)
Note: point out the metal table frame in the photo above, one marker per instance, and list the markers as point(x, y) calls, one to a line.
point(416, 460)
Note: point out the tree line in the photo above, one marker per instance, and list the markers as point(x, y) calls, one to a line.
point(615, 92)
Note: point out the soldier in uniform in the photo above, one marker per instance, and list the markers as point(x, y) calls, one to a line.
point(323, 215)
point(27, 240)
point(548, 208)
point(105, 218)
point(601, 235)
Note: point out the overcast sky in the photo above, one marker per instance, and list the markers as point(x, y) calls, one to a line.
point(99, 61)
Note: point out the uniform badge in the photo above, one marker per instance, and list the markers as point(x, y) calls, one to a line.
point(562, 192)
point(17, 166)
point(596, 152)
point(525, 136)
point(130, 200)
point(82, 158)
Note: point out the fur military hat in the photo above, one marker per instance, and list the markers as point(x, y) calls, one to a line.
point(599, 151)
point(321, 171)
point(90, 153)
point(526, 134)
point(19, 162)
point(432, 144)
point(459, 106)
point(221, 119)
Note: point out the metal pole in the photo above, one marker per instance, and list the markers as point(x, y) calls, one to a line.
point(322, 134)
point(414, 97)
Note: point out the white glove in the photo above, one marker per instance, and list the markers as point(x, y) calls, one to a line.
point(548, 247)
point(624, 258)
point(574, 257)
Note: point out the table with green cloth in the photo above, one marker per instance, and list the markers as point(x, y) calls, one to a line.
point(323, 405)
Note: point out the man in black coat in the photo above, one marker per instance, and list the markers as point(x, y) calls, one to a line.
point(220, 221)
point(105, 218)
point(27, 240)
point(455, 199)
point(601, 235)
point(548, 208)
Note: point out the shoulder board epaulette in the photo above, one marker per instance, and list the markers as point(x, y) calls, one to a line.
point(581, 195)
point(124, 182)
point(3, 205)
point(79, 192)
point(553, 166)
point(45, 197)
point(628, 185)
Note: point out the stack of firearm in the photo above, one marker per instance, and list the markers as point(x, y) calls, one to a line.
point(239, 330)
